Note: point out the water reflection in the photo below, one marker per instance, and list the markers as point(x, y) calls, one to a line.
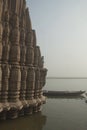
point(34, 122)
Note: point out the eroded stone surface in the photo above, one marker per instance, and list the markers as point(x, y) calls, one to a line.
point(22, 72)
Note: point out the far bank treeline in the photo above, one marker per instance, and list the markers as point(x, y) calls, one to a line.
point(22, 72)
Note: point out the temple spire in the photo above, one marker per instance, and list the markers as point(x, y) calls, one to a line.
point(22, 74)
point(28, 21)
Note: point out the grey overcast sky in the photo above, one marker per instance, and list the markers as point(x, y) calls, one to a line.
point(61, 29)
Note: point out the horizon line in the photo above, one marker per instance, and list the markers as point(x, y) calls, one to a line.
point(50, 77)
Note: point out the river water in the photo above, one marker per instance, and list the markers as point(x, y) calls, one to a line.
point(58, 113)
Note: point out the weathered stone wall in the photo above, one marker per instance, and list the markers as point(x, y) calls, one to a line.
point(22, 73)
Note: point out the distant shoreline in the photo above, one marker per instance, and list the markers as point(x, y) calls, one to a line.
point(66, 78)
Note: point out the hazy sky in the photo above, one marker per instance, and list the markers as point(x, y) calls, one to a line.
point(61, 28)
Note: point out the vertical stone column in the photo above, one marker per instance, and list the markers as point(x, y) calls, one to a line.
point(29, 49)
point(43, 73)
point(23, 90)
point(39, 64)
point(36, 56)
point(15, 73)
point(22, 54)
point(5, 66)
point(14, 90)
point(28, 21)
point(1, 28)
point(30, 90)
point(0, 41)
point(5, 83)
point(1, 107)
point(1, 8)
point(22, 63)
point(14, 56)
point(1, 32)
point(5, 52)
point(34, 38)
point(36, 91)
point(29, 56)
point(29, 63)
point(22, 41)
point(4, 91)
point(37, 60)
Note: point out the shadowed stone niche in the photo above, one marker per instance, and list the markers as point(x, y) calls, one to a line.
point(22, 72)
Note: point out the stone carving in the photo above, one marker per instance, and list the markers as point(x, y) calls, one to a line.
point(22, 41)
point(1, 28)
point(1, 5)
point(22, 72)
point(4, 90)
point(1, 40)
point(23, 90)
point(5, 39)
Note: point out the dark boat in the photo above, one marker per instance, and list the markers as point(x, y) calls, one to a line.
point(62, 93)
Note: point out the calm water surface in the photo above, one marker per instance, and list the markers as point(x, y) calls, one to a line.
point(58, 113)
point(66, 84)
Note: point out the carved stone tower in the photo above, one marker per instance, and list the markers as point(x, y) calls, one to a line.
point(22, 72)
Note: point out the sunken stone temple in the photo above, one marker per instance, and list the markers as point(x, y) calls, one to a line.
point(22, 73)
